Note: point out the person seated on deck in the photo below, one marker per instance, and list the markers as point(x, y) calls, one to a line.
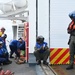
point(4, 56)
point(41, 51)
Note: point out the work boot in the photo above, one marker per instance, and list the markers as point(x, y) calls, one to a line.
point(7, 62)
point(45, 62)
point(0, 68)
point(11, 56)
point(38, 62)
point(69, 67)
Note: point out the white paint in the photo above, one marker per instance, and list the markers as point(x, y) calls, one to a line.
point(43, 19)
point(32, 24)
point(59, 21)
point(43, 22)
point(20, 3)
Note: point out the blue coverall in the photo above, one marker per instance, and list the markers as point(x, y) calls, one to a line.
point(22, 45)
point(14, 46)
point(4, 56)
point(4, 43)
point(41, 51)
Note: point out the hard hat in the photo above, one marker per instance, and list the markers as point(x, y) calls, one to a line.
point(71, 15)
point(0, 33)
point(20, 38)
point(40, 38)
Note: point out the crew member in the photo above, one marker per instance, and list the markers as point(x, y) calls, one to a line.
point(71, 31)
point(41, 50)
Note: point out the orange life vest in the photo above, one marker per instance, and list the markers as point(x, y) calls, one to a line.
point(72, 25)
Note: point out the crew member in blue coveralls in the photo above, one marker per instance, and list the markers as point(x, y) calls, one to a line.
point(4, 56)
point(41, 51)
point(14, 48)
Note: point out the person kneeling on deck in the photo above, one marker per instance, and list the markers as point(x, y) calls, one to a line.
point(41, 51)
point(16, 46)
point(4, 56)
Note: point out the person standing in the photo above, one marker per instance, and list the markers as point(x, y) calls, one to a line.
point(3, 30)
point(71, 42)
point(4, 36)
